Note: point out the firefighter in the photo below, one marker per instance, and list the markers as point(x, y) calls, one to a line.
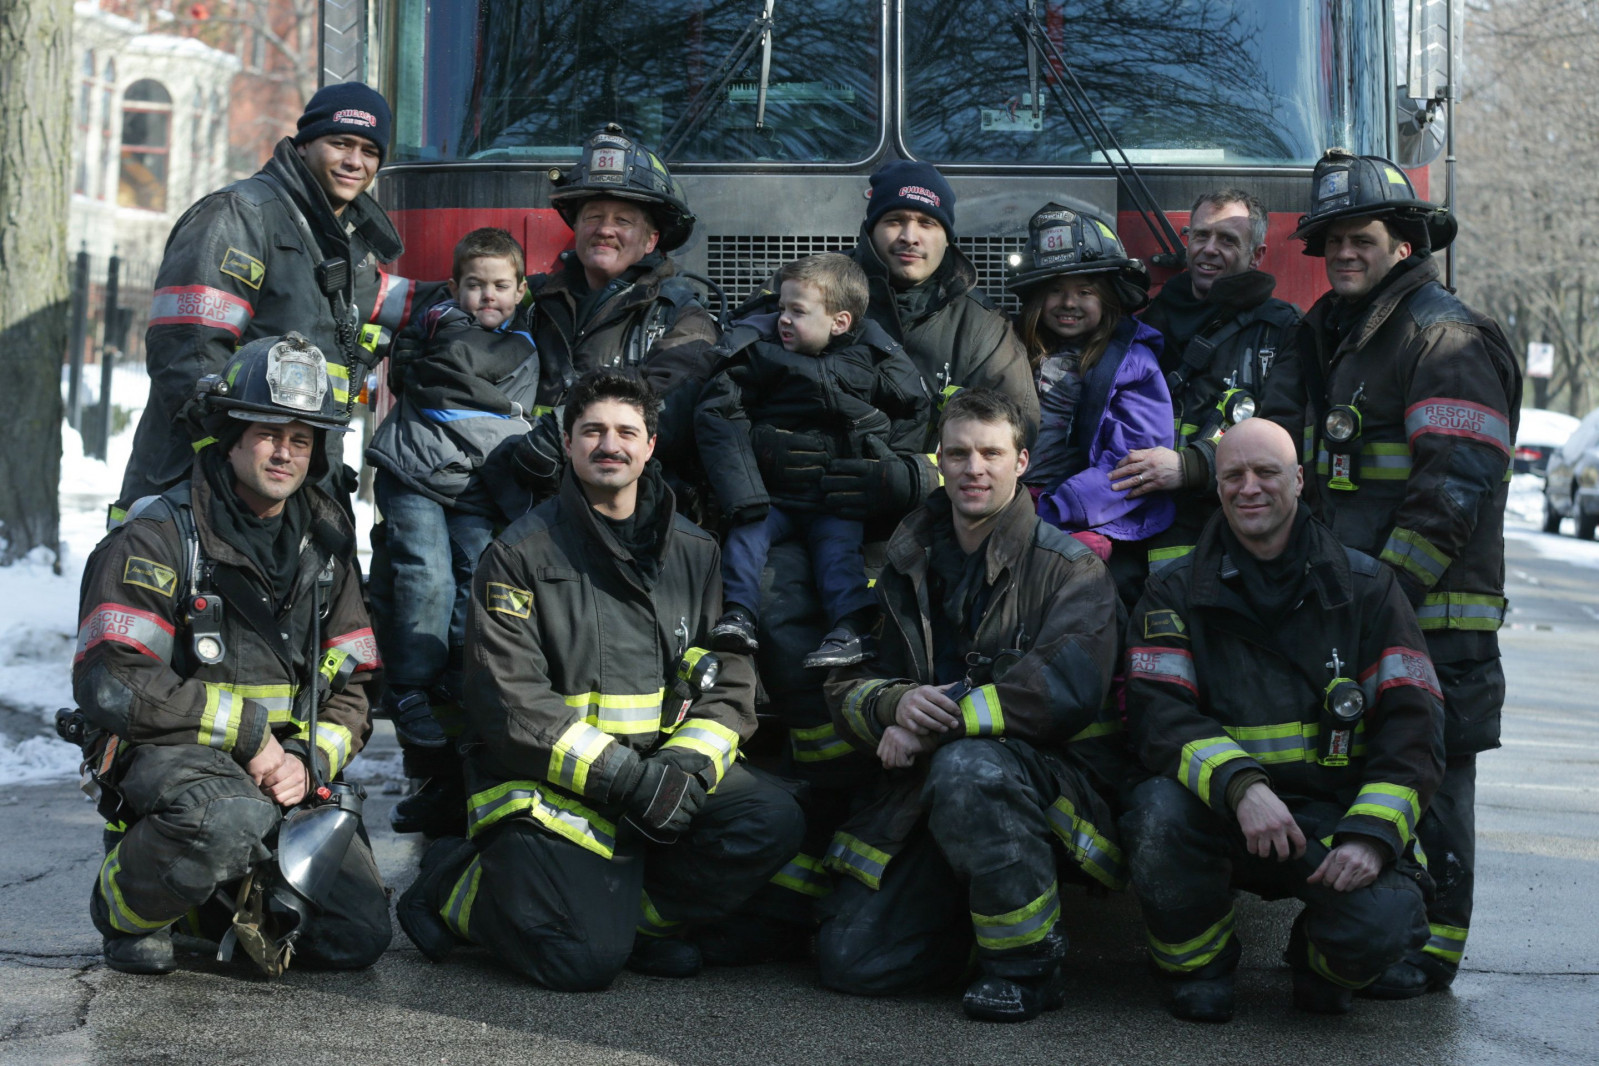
point(1407, 402)
point(1281, 697)
point(212, 619)
point(986, 708)
point(297, 246)
point(607, 814)
point(1223, 329)
point(618, 301)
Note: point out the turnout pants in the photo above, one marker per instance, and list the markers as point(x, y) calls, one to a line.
point(198, 824)
point(984, 870)
point(1186, 860)
point(566, 916)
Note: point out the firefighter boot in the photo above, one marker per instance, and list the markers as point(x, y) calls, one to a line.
point(1316, 994)
point(1018, 985)
point(1203, 999)
point(1412, 976)
point(148, 954)
point(418, 909)
point(664, 956)
point(437, 809)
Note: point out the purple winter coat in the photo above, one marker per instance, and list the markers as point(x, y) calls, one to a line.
point(1137, 414)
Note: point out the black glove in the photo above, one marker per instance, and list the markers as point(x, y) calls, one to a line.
point(538, 458)
point(664, 800)
point(404, 350)
point(866, 488)
point(791, 465)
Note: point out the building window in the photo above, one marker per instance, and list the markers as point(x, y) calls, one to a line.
point(146, 146)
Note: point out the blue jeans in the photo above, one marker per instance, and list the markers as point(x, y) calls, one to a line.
point(433, 551)
point(835, 548)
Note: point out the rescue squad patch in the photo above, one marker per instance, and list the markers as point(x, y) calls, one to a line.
point(1164, 624)
point(507, 599)
point(247, 268)
point(149, 574)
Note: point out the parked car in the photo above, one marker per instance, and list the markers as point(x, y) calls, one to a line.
point(1540, 433)
point(1571, 485)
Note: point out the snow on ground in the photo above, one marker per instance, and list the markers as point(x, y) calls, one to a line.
point(38, 630)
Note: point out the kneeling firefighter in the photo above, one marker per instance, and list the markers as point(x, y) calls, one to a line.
point(221, 671)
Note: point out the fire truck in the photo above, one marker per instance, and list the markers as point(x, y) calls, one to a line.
point(772, 113)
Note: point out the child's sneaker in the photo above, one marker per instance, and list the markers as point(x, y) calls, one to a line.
point(735, 631)
point(842, 647)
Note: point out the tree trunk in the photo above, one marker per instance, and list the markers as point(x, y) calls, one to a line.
point(35, 161)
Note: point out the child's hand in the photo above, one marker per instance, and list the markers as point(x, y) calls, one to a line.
point(899, 747)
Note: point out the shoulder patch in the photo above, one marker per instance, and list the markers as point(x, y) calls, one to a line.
point(508, 599)
point(247, 268)
point(1164, 623)
point(149, 574)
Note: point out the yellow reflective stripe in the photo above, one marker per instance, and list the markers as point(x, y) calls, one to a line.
point(457, 911)
point(850, 855)
point(1190, 955)
point(336, 743)
point(1025, 925)
point(804, 874)
point(1461, 610)
point(652, 924)
point(122, 917)
point(1447, 942)
point(1177, 551)
point(858, 706)
point(1320, 966)
point(1395, 804)
point(981, 712)
point(711, 739)
point(339, 378)
point(1098, 857)
point(1411, 551)
point(196, 446)
point(620, 713)
point(567, 818)
point(577, 749)
point(1098, 729)
point(1200, 759)
point(1289, 742)
point(219, 722)
point(1385, 462)
point(817, 743)
point(277, 699)
point(932, 459)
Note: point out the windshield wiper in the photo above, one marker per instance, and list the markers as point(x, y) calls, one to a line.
point(1031, 31)
point(757, 34)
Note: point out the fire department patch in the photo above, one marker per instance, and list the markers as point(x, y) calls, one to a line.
point(247, 268)
point(149, 574)
point(1164, 624)
point(507, 599)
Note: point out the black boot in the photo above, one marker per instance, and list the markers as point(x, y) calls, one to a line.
point(1203, 1000)
point(148, 954)
point(418, 909)
point(1414, 975)
point(1316, 994)
point(992, 998)
point(735, 631)
point(664, 956)
point(437, 809)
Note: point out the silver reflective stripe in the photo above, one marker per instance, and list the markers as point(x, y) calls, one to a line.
point(140, 630)
point(1163, 664)
point(1458, 418)
point(989, 929)
point(223, 718)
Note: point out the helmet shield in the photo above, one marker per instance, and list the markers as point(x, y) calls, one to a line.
point(1062, 241)
point(278, 380)
point(617, 167)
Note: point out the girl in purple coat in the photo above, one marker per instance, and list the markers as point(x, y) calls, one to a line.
point(1100, 386)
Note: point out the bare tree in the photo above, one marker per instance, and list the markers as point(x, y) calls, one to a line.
point(1529, 208)
point(35, 160)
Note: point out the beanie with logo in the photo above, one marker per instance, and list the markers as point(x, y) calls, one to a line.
point(907, 186)
point(349, 107)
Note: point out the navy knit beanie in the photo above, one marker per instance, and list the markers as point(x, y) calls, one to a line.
point(907, 186)
point(349, 107)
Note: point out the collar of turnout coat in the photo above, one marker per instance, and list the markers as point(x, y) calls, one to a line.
point(1012, 533)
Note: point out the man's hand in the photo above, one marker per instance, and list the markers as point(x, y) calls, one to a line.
point(925, 709)
point(1267, 825)
point(899, 747)
point(280, 775)
point(1351, 865)
point(1148, 470)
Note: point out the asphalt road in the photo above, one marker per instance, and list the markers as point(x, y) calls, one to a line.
point(1527, 994)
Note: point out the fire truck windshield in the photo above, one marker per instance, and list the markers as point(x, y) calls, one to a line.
point(528, 80)
point(1179, 82)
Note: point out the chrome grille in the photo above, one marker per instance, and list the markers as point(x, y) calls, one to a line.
point(741, 264)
